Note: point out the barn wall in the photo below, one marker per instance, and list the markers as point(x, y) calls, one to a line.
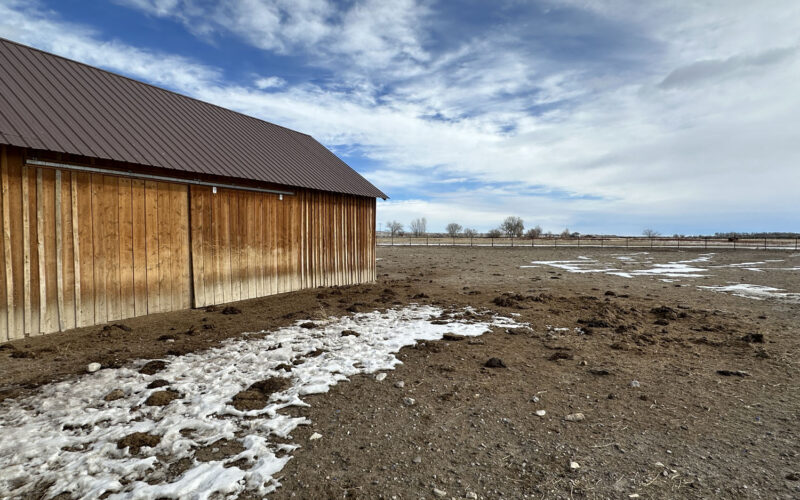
point(81, 249)
point(249, 244)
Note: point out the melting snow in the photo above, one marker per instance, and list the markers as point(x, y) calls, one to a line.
point(757, 292)
point(64, 437)
point(679, 269)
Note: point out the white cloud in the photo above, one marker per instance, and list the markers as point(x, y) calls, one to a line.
point(269, 82)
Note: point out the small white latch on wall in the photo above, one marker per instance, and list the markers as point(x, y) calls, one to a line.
point(214, 189)
point(280, 197)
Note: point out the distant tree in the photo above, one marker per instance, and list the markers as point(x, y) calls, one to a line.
point(419, 226)
point(566, 234)
point(394, 227)
point(650, 233)
point(534, 232)
point(494, 233)
point(470, 233)
point(453, 229)
point(512, 226)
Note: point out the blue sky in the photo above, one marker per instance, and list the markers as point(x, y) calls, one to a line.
point(606, 116)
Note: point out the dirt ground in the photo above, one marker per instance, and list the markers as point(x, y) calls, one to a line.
point(684, 392)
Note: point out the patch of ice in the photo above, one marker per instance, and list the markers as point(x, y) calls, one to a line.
point(573, 266)
point(757, 292)
point(706, 257)
point(63, 438)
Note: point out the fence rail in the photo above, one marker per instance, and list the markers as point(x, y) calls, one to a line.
point(630, 242)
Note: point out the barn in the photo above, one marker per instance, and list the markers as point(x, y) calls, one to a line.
point(121, 199)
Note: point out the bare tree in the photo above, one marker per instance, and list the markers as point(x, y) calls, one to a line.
point(565, 233)
point(419, 226)
point(650, 233)
point(394, 227)
point(534, 232)
point(494, 233)
point(470, 233)
point(453, 229)
point(513, 226)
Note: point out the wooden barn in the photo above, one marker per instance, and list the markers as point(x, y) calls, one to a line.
point(121, 199)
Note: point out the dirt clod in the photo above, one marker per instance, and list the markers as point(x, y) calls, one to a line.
point(153, 367)
point(114, 395)
point(495, 363)
point(138, 440)
point(257, 395)
point(754, 338)
point(155, 384)
point(452, 337)
point(162, 398)
point(231, 310)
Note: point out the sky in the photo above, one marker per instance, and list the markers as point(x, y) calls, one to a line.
point(606, 116)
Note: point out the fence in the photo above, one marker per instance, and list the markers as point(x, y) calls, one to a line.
point(629, 242)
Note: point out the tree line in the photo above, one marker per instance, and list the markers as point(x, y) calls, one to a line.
point(511, 227)
point(514, 227)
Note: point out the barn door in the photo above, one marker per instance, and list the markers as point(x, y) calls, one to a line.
point(83, 249)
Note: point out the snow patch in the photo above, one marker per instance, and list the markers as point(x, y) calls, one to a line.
point(63, 439)
point(757, 292)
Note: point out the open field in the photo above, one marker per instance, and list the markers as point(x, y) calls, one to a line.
point(683, 366)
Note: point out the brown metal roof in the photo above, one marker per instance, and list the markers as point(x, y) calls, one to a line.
point(55, 104)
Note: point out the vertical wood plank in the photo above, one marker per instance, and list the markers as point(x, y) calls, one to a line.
point(110, 224)
point(40, 222)
point(50, 274)
point(26, 247)
point(225, 245)
point(59, 253)
point(87, 260)
point(274, 243)
point(209, 266)
point(76, 248)
point(259, 250)
point(152, 247)
point(164, 248)
point(67, 251)
point(8, 329)
point(269, 260)
point(219, 292)
point(181, 287)
point(98, 243)
point(196, 198)
point(139, 241)
point(127, 307)
point(235, 244)
point(248, 233)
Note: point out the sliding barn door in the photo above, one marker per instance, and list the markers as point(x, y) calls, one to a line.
point(83, 249)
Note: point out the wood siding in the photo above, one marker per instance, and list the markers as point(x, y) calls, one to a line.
point(81, 249)
point(75, 252)
point(249, 244)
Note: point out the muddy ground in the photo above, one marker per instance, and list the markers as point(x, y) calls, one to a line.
point(714, 411)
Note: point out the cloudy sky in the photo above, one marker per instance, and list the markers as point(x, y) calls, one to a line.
point(603, 116)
